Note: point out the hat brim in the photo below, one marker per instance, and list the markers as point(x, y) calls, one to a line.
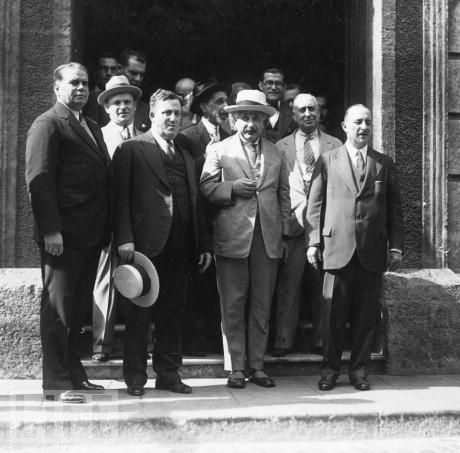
point(267, 109)
point(148, 299)
point(208, 91)
point(135, 91)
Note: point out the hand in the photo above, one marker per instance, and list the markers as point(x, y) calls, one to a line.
point(244, 187)
point(126, 252)
point(54, 243)
point(204, 262)
point(314, 256)
point(285, 250)
point(394, 261)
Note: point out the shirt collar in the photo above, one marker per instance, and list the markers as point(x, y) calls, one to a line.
point(314, 134)
point(160, 140)
point(352, 151)
point(75, 113)
point(211, 128)
point(120, 128)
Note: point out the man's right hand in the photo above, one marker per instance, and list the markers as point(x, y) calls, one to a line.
point(244, 187)
point(54, 243)
point(314, 256)
point(126, 252)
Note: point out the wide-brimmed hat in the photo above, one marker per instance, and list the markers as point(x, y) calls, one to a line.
point(205, 89)
point(138, 281)
point(116, 85)
point(251, 100)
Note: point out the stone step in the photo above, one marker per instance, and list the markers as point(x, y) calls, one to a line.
point(212, 366)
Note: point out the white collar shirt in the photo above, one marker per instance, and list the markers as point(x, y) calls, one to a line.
point(352, 153)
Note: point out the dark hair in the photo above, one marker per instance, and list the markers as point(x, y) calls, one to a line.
point(105, 54)
point(57, 75)
point(128, 53)
point(272, 71)
point(163, 95)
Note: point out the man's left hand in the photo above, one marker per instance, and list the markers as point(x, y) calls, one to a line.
point(394, 261)
point(204, 262)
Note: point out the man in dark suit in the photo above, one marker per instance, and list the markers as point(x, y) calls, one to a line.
point(280, 124)
point(353, 223)
point(106, 67)
point(158, 214)
point(68, 179)
point(300, 149)
point(202, 332)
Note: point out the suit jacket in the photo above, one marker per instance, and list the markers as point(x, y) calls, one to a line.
point(199, 138)
point(346, 218)
point(143, 197)
point(286, 124)
point(296, 183)
point(234, 221)
point(68, 179)
point(112, 136)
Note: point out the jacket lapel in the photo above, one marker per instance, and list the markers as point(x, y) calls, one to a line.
point(343, 167)
point(151, 152)
point(236, 149)
point(373, 168)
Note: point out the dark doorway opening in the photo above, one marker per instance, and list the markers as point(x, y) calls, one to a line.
point(233, 40)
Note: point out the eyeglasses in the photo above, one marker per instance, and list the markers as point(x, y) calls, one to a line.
point(275, 83)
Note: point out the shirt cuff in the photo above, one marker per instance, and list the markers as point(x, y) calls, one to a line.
point(396, 250)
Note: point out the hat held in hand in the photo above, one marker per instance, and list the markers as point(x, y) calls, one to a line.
point(138, 281)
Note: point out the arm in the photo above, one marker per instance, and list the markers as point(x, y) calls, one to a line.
point(211, 185)
point(284, 193)
point(122, 167)
point(42, 154)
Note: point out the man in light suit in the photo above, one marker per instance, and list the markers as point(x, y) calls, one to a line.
point(354, 229)
point(68, 179)
point(243, 177)
point(119, 101)
point(300, 149)
point(202, 312)
point(157, 213)
point(280, 124)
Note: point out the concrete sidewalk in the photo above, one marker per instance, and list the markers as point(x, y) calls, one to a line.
point(294, 410)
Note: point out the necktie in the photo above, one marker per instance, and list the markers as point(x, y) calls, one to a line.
point(83, 124)
point(308, 155)
point(125, 134)
point(252, 153)
point(170, 150)
point(360, 166)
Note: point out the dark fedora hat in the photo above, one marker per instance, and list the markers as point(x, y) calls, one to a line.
point(138, 281)
point(203, 90)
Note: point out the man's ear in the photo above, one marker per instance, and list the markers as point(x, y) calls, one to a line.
point(261, 85)
point(344, 126)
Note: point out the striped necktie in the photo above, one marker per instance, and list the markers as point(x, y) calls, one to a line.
point(308, 155)
point(125, 134)
point(170, 150)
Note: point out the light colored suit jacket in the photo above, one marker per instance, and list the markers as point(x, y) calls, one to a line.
point(113, 138)
point(234, 221)
point(343, 218)
point(296, 184)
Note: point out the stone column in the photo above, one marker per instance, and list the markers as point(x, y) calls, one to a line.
point(9, 95)
point(35, 37)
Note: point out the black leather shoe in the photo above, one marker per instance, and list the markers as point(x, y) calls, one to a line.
point(236, 382)
point(88, 386)
point(175, 387)
point(135, 390)
point(262, 381)
point(327, 383)
point(361, 383)
point(279, 352)
point(100, 357)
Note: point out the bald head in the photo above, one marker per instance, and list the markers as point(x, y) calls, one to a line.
point(357, 124)
point(184, 86)
point(305, 111)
